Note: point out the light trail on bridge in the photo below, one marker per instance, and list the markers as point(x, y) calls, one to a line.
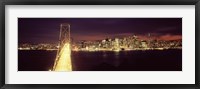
point(63, 57)
point(63, 61)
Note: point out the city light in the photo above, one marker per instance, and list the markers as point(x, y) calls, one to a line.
point(64, 61)
point(111, 45)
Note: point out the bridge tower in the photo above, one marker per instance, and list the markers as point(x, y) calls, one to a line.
point(63, 57)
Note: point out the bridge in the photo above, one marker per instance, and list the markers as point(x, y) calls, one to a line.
point(63, 57)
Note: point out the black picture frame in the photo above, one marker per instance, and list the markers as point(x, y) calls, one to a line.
point(99, 2)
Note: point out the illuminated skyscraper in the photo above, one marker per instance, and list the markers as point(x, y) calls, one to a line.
point(116, 45)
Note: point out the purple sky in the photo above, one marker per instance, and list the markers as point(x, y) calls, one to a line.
point(46, 30)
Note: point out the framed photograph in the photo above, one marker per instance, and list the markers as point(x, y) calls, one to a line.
point(107, 44)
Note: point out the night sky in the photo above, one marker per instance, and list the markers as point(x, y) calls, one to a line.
point(46, 30)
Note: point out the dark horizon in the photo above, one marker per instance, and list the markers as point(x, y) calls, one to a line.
point(46, 30)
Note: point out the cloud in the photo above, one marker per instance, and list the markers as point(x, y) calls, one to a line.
point(170, 37)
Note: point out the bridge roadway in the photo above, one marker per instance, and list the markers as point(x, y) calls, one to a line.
point(63, 61)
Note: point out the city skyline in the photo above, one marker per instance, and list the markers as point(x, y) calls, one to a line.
point(46, 30)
